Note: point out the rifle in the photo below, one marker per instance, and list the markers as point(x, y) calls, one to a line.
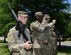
point(19, 24)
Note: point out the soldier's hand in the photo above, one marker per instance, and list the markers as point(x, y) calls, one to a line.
point(27, 45)
point(15, 48)
point(46, 42)
point(54, 21)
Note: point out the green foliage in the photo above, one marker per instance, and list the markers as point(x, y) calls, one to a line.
point(69, 27)
point(52, 7)
point(6, 18)
point(6, 28)
point(62, 20)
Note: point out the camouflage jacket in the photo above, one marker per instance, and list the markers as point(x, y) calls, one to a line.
point(15, 43)
point(40, 32)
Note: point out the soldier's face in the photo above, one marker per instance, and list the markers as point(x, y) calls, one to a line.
point(47, 18)
point(23, 18)
point(40, 18)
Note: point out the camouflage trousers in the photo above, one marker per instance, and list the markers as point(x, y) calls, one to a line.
point(44, 50)
point(22, 52)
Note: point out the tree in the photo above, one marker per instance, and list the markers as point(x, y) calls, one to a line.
point(52, 7)
point(5, 17)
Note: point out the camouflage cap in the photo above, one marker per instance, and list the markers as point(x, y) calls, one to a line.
point(22, 12)
point(47, 15)
point(38, 13)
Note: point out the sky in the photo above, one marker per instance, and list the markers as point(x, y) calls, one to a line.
point(68, 9)
point(69, 1)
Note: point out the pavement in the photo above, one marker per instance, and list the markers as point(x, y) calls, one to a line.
point(65, 43)
point(1, 38)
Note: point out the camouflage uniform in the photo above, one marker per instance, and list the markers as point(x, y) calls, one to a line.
point(41, 32)
point(54, 38)
point(16, 42)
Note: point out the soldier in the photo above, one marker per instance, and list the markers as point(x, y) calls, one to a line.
point(41, 34)
point(16, 43)
point(54, 36)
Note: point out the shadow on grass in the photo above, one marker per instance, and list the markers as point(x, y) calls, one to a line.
point(65, 49)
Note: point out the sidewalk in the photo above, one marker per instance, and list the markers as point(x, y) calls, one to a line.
point(2, 38)
point(65, 43)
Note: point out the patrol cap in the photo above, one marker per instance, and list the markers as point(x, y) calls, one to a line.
point(22, 13)
point(38, 13)
point(47, 15)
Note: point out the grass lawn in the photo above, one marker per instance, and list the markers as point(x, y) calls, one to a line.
point(61, 51)
point(4, 49)
point(64, 50)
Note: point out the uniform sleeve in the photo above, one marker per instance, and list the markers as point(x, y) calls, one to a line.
point(12, 44)
point(50, 24)
point(42, 26)
point(28, 34)
point(31, 27)
point(39, 27)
